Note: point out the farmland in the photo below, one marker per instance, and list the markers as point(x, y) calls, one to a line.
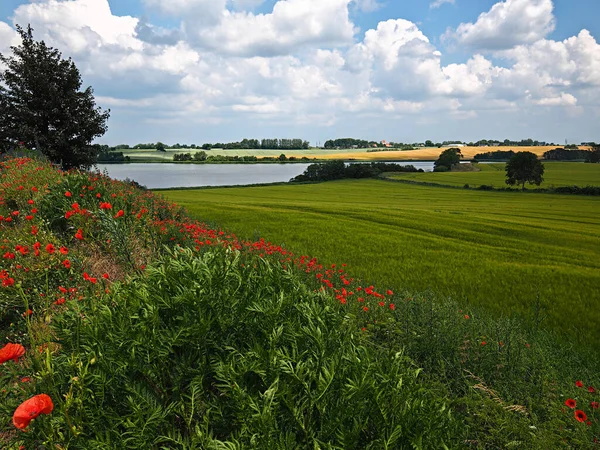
point(556, 174)
point(500, 250)
point(422, 154)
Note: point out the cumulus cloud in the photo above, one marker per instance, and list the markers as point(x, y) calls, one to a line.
point(507, 24)
point(292, 25)
point(301, 63)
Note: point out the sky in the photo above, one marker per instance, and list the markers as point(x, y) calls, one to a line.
point(197, 71)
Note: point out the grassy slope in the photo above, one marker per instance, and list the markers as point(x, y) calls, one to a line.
point(556, 174)
point(492, 248)
point(428, 154)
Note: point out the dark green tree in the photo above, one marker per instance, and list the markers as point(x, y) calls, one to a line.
point(42, 106)
point(524, 167)
point(160, 147)
point(447, 159)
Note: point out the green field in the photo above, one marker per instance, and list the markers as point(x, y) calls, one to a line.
point(556, 174)
point(498, 249)
point(153, 155)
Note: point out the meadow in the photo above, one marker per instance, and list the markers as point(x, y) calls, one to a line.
point(127, 323)
point(556, 174)
point(505, 251)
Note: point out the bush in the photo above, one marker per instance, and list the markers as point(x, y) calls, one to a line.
point(441, 169)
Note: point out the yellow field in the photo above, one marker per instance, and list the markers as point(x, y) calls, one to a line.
point(430, 153)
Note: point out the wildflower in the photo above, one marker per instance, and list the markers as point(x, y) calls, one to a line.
point(27, 313)
point(25, 380)
point(578, 384)
point(119, 214)
point(390, 292)
point(68, 194)
point(79, 234)
point(105, 276)
point(11, 351)
point(50, 248)
point(392, 306)
point(591, 390)
point(60, 301)
point(34, 230)
point(580, 416)
point(571, 403)
point(382, 304)
point(594, 405)
point(30, 409)
point(64, 250)
point(483, 343)
point(66, 263)
point(467, 316)
point(7, 282)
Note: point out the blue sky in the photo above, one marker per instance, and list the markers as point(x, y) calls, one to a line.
point(194, 71)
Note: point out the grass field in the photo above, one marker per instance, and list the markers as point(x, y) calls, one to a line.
point(501, 250)
point(422, 154)
point(556, 174)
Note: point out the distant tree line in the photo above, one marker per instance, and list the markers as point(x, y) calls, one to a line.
point(264, 144)
point(560, 154)
point(203, 156)
point(498, 155)
point(337, 170)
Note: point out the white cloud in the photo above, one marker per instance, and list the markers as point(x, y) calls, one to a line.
point(507, 24)
point(437, 3)
point(562, 100)
point(292, 25)
point(367, 5)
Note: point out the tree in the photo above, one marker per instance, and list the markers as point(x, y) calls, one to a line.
point(447, 159)
point(41, 105)
point(160, 147)
point(524, 167)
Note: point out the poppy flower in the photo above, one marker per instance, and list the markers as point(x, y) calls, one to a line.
point(580, 416)
point(392, 306)
point(571, 403)
point(594, 405)
point(68, 194)
point(11, 351)
point(7, 282)
point(119, 213)
point(50, 248)
point(591, 389)
point(64, 250)
point(30, 409)
point(67, 264)
point(578, 383)
point(79, 234)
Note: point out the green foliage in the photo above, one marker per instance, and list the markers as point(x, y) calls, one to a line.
point(43, 107)
point(448, 159)
point(524, 167)
point(220, 349)
point(496, 155)
point(200, 156)
point(160, 147)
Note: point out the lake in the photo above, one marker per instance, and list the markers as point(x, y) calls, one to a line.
point(168, 175)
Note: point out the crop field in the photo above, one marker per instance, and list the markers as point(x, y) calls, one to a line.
point(556, 174)
point(501, 250)
point(422, 154)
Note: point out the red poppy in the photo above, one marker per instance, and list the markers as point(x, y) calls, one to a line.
point(79, 234)
point(483, 343)
point(105, 276)
point(591, 389)
point(571, 403)
point(392, 306)
point(64, 250)
point(11, 351)
point(467, 316)
point(594, 405)
point(578, 383)
point(27, 313)
point(50, 248)
point(580, 416)
point(68, 194)
point(7, 282)
point(390, 292)
point(30, 409)
point(67, 264)
point(119, 214)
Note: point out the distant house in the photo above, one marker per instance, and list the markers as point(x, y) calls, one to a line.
point(386, 143)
